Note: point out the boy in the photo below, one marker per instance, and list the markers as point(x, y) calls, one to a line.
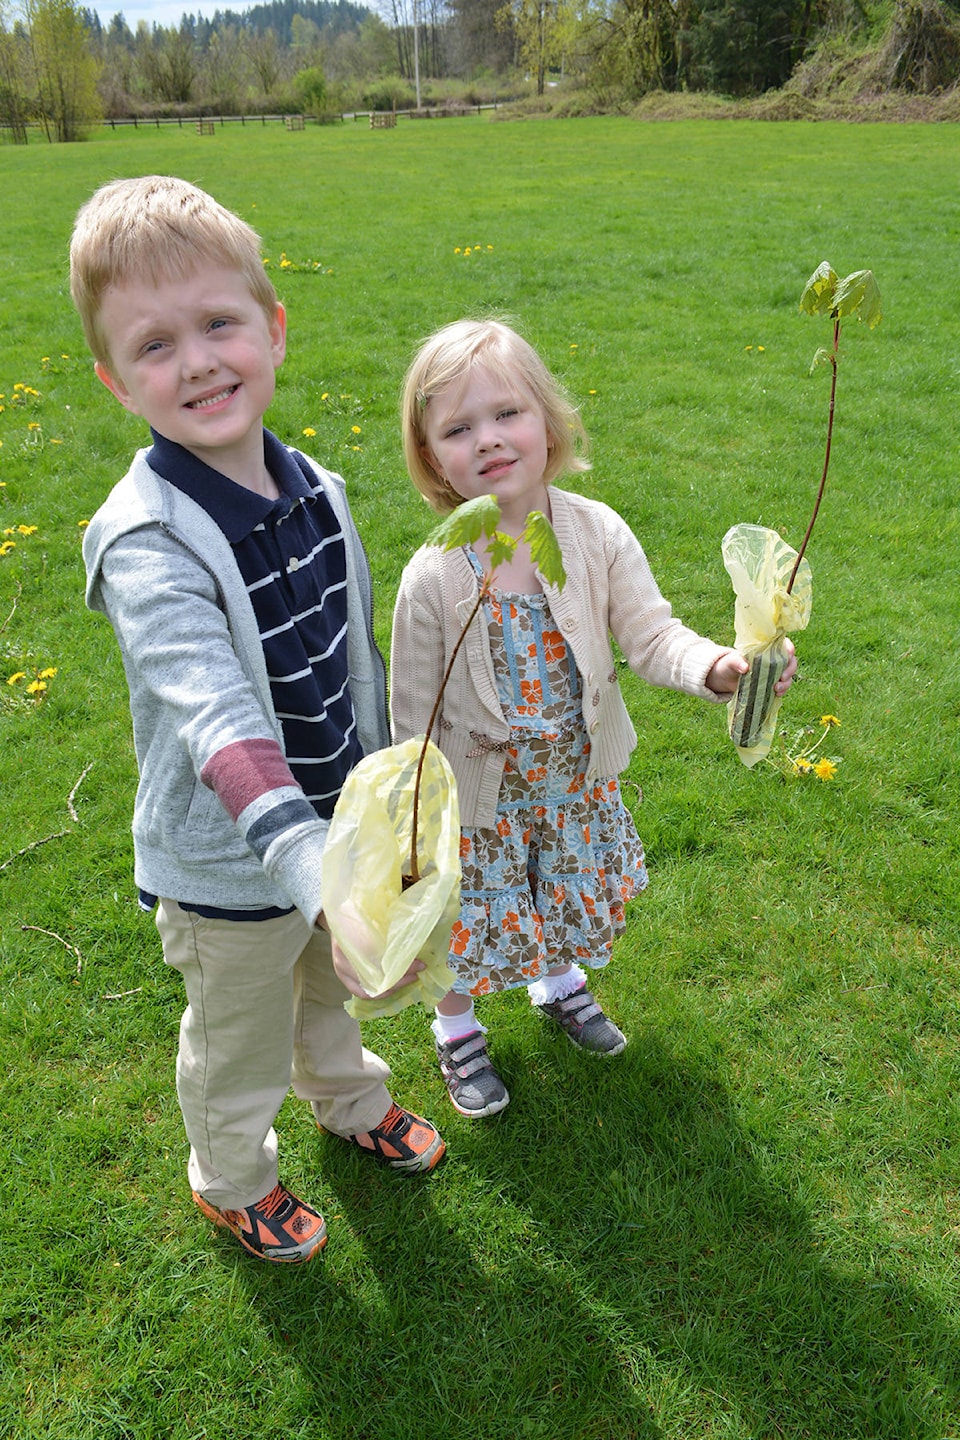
point(231, 571)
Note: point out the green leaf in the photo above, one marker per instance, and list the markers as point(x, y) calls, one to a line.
point(467, 523)
point(817, 297)
point(822, 357)
point(545, 549)
point(859, 295)
point(500, 547)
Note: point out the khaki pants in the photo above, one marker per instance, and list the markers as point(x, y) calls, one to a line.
point(265, 1010)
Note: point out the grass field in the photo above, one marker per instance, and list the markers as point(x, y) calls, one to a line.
point(748, 1226)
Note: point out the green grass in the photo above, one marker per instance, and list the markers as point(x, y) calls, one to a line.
point(747, 1227)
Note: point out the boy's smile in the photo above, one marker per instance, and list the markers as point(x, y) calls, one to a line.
point(196, 356)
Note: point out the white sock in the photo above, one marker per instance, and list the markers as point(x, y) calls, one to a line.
point(454, 1027)
point(556, 987)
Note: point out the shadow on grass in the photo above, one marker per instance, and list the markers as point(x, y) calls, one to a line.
point(677, 1287)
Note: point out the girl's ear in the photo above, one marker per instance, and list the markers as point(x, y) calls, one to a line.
point(429, 459)
point(115, 386)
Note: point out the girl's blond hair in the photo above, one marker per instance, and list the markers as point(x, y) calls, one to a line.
point(446, 359)
point(156, 227)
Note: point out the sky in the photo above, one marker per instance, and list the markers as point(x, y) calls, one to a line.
point(161, 12)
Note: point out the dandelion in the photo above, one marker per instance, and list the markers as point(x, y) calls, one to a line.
point(800, 757)
point(7, 546)
point(27, 529)
point(467, 251)
point(82, 524)
point(309, 431)
point(37, 687)
point(33, 425)
point(16, 676)
point(325, 395)
point(748, 347)
point(456, 249)
point(47, 674)
point(354, 429)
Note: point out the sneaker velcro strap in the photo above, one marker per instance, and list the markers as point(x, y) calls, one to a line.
point(580, 1006)
point(470, 1056)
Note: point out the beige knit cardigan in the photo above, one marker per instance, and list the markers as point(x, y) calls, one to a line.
point(609, 591)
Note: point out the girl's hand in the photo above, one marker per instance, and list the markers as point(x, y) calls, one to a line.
point(724, 677)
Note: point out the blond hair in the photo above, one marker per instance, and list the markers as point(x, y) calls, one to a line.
point(156, 227)
point(447, 358)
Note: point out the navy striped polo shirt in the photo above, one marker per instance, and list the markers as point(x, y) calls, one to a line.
point(291, 554)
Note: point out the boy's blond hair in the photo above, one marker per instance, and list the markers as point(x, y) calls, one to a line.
point(446, 359)
point(156, 227)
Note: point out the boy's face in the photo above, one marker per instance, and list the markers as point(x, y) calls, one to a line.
point(196, 357)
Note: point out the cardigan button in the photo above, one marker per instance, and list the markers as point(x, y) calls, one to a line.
point(294, 564)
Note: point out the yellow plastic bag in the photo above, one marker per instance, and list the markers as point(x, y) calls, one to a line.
point(760, 564)
point(380, 926)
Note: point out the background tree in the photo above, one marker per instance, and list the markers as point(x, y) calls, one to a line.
point(14, 101)
point(63, 68)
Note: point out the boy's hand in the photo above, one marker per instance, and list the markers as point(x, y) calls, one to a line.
point(349, 978)
point(725, 675)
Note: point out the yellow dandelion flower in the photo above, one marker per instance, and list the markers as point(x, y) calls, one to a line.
point(802, 766)
point(19, 386)
point(56, 442)
point(309, 430)
point(325, 395)
point(44, 359)
point(36, 687)
point(17, 675)
point(33, 425)
point(761, 348)
point(47, 674)
point(7, 546)
point(82, 524)
point(27, 529)
point(830, 721)
point(354, 429)
point(456, 249)
point(825, 769)
point(64, 357)
point(489, 247)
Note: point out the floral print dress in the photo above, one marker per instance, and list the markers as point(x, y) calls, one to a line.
point(548, 883)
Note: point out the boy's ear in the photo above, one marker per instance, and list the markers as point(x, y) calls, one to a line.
point(278, 335)
point(116, 387)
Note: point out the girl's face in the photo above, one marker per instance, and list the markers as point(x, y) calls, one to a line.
point(489, 436)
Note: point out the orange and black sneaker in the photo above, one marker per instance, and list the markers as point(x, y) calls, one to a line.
point(402, 1140)
point(279, 1227)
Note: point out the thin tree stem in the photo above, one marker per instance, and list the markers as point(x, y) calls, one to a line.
point(414, 867)
point(826, 458)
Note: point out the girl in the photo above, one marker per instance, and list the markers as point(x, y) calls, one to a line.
point(533, 721)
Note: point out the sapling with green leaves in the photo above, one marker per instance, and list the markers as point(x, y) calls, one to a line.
point(752, 709)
